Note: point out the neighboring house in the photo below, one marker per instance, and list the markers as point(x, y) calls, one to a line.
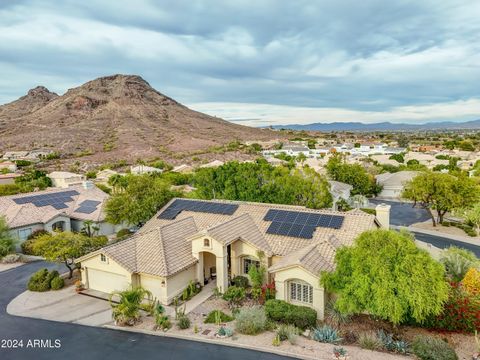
point(103, 175)
point(339, 190)
point(212, 164)
point(37, 154)
point(184, 169)
point(6, 179)
point(394, 183)
point(55, 209)
point(15, 155)
point(9, 165)
point(65, 179)
point(144, 169)
point(193, 240)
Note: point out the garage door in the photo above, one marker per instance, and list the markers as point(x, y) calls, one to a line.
point(106, 281)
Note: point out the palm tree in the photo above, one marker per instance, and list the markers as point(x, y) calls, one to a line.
point(127, 311)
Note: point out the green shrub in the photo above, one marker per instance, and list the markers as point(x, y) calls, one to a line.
point(57, 283)
point(40, 281)
point(27, 245)
point(369, 341)
point(215, 314)
point(225, 331)
point(302, 317)
point(251, 321)
point(287, 332)
point(123, 233)
point(431, 348)
point(163, 322)
point(234, 295)
point(183, 322)
point(326, 334)
point(240, 281)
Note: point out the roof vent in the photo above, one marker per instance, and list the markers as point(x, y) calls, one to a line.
point(87, 185)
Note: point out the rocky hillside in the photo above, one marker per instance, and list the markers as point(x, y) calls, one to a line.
point(111, 118)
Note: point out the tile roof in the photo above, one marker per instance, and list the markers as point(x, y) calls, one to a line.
point(18, 215)
point(163, 247)
point(161, 251)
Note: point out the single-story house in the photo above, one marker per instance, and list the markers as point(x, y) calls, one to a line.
point(212, 164)
point(184, 169)
point(394, 183)
point(9, 165)
point(56, 209)
point(103, 175)
point(15, 155)
point(195, 240)
point(144, 169)
point(6, 179)
point(65, 179)
point(339, 190)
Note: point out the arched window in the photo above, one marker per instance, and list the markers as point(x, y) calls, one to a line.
point(206, 242)
point(300, 291)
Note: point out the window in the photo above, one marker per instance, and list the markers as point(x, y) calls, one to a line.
point(206, 242)
point(248, 263)
point(24, 233)
point(302, 292)
point(103, 258)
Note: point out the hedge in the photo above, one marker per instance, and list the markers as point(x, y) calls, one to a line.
point(302, 317)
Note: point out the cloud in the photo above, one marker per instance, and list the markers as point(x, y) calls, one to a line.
point(339, 59)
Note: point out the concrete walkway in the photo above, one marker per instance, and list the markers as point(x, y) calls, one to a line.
point(63, 305)
point(200, 298)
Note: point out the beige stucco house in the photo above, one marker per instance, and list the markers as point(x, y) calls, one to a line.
point(192, 240)
point(56, 209)
point(393, 184)
point(65, 179)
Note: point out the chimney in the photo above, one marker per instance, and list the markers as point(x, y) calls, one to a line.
point(383, 215)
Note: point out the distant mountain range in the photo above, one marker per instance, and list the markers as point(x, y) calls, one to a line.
point(383, 126)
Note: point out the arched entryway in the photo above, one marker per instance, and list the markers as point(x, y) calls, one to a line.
point(212, 267)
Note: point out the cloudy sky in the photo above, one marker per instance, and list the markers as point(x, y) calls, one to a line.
point(258, 62)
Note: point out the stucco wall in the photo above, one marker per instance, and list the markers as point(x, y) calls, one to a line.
point(110, 266)
point(105, 228)
point(240, 249)
point(154, 284)
point(282, 277)
point(178, 282)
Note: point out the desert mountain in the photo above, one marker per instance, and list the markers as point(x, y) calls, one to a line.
point(114, 117)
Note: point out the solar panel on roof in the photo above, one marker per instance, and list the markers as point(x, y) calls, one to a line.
point(299, 224)
point(57, 200)
point(85, 210)
point(180, 205)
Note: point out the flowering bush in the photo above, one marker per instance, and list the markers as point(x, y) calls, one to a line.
point(461, 312)
point(471, 282)
point(268, 291)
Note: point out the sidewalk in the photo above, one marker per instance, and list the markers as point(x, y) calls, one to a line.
point(201, 297)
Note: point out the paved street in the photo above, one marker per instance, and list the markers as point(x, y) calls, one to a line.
point(403, 214)
point(83, 342)
point(443, 242)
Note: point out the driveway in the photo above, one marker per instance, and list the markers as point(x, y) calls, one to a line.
point(85, 342)
point(402, 213)
point(62, 305)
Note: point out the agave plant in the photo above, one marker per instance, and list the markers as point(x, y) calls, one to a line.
point(326, 334)
point(127, 311)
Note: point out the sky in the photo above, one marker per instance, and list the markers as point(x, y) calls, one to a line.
point(259, 62)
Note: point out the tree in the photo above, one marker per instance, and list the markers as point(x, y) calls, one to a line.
point(66, 247)
point(7, 243)
point(262, 182)
point(301, 158)
point(472, 216)
point(353, 174)
point(118, 182)
point(90, 228)
point(441, 192)
point(142, 197)
point(402, 141)
point(386, 275)
point(398, 158)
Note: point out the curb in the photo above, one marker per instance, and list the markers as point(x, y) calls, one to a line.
point(212, 341)
point(457, 238)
